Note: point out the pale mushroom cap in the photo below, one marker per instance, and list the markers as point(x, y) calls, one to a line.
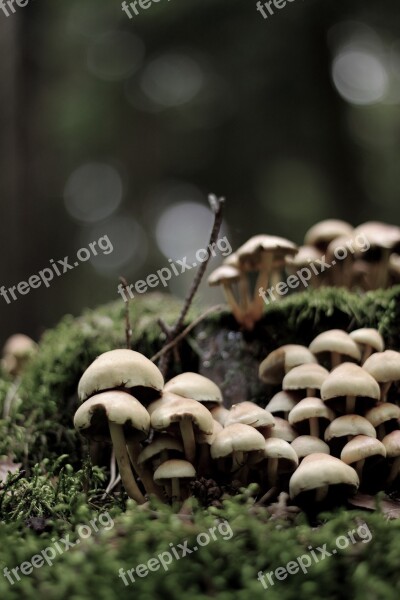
point(224, 274)
point(392, 444)
point(335, 340)
point(385, 411)
point(19, 345)
point(305, 256)
point(220, 414)
point(349, 425)
point(324, 232)
point(384, 366)
point(282, 402)
point(309, 444)
point(319, 470)
point(174, 469)
point(237, 438)
point(379, 234)
point(305, 376)
point(231, 260)
point(118, 407)
point(360, 448)
point(250, 413)
point(368, 337)
point(349, 379)
point(160, 443)
point(283, 359)
point(277, 448)
point(250, 253)
point(308, 409)
point(172, 409)
point(282, 430)
point(195, 386)
point(120, 368)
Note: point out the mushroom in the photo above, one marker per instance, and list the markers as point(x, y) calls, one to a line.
point(280, 361)
point(317, 473)
point(352, 382)
point(310, 411)
point(306, 256)
point(281, 404)
point(338, 344)
point(173, 475)
point(117, 417)
point(385, 418)
point(359, 449)
point(244, 289)
point(385, 368)
point(323, 233)
point(280, 457)
point(382, 239)
point(220, 414)
point(282, 430)
point(196, 387)
point(226, 276)
point(392, 445)
point(345, 428)
point(204, 442)
point(239, 442)
point(122, 369)
point(307, 379)
point(368, 340)
point(17, 351)
point(308, 444)
point(162, 447)
point(191, 416)
point(250, 413)
point(341, 261)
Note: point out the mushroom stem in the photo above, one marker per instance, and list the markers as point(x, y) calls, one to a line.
point(314, 426)
point(257, 305)
point(244, 292)
point(272, 471)
point(385, 387)
point(175, 489)
point(121, 454)
point(234, 306)
point(395, 470)
point(189, 444)
point(335, 359)
point(359, 468)
point(311, 392)
point(321, 493)
point(142, 471)
point(350, 405)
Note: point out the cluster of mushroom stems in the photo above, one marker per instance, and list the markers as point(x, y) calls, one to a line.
point(363, 258)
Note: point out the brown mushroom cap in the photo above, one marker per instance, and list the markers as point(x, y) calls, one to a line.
point(310, 408)
point(274, 367)
point(320, 470)
point(121, 368)
point(237, 438)
point(368, 337)
point(250, 413)
point(93, 416)
point(196, 387)
point(347, 425)
point(251, 252)
point(384, 366)
point(385, 411)
point(335, 340)
point(360, 448)
point(309, 444)
point(349, 379)
point(174, 469)
point(304, 377)
point(282, 402)
point(321, 234)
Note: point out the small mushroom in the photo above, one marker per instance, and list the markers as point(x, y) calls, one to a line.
point(313, 413)
point(227, 276)
point(281, 404)
point(353, 383)
point(174, 475)
point(392, 445)
point(359, 449)
point(385, 368)
point(307, 379)
point(281, 459)
point(369, 341)
point(282, 430)
point(338, 344)
point(17, 351)
point(239, 443)
point(385, 417)
point(346, 427)
point(280, 361)
point(308, 444)
point(162, 447)
point(306, 256)
point(250, 413)
point(196, 387)
point(323, 233)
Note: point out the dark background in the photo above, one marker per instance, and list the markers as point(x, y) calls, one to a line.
point(120, 127)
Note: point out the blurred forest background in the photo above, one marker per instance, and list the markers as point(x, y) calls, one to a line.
point(120, 127)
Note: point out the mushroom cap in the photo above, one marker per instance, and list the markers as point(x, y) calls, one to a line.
point(282, 430)
point(309, 444)
point(278, 362)
point(251, 252)
point(161, 442)
point(93, 416)
point(368, 337)
point(250, 413)
point(282, 402)
point(305, 256)
point(231, 260)
point(379, 234)
point(305, 376)
point(19, 346)
point(196, 387)
point(335, 340)
point(349, 425)
point(361, 447)
point(392, 444)
point(172, 409)
point(237, 438)
point(384, 366)
point(322, 233)
point(349, 379)
point(224, 274)
point(308, 409)
point(319, 470)
point(385, 411)
point(219, 413)
point(203, 438)
point(277, 448)
point(174, 468)
point(120, 369)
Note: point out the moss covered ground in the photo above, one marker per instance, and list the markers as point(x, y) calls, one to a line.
point(58, 491)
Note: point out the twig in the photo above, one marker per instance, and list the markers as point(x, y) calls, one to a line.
point(216, 205)
point(128, 328)
point(187, 330)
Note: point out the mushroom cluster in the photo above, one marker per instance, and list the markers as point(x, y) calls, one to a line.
point(363, 258)
point(339, 416)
